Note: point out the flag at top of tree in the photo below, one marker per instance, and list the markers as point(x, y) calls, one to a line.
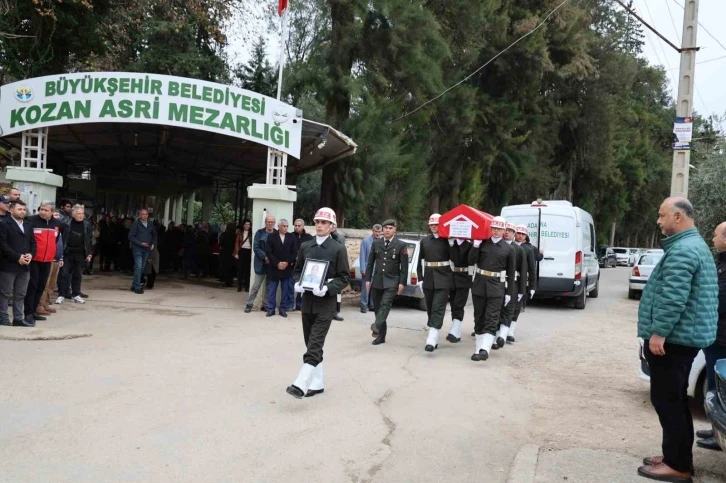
point(281, 7)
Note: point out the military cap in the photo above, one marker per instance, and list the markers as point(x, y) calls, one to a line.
point(389, 222)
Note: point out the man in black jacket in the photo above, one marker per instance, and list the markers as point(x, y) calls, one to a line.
point(77, 250)
point(281, 250)
point(717, 350)
point(438, 279)
point(301, 236)
point(17, 244)
point(319, 304)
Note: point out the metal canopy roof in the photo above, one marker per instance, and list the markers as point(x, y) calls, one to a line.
point(194, 158)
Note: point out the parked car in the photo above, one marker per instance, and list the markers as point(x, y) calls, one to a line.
point(655, 250)
point(641, 273)
point(606, 257)
point(623, 256)
point(716, 404)
point(414, 289)
point(634, 255)
point(697, 383)
point(566, 235)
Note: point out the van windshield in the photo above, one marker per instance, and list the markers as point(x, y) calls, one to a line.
point(620, 250)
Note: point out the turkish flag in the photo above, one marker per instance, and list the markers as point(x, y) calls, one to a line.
point(281, 6)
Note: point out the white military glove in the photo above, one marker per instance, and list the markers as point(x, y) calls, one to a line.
point(519, 297)
point(451, 242)
point(507, 299)
point(531, 293)
point(321, 292)
point(298, 288)
point(477, 243)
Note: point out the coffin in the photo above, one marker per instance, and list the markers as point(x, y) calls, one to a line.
point(466, 222)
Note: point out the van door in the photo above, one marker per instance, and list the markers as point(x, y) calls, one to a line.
point(590, 265)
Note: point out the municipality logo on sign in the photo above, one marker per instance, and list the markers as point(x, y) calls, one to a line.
point(24, 94)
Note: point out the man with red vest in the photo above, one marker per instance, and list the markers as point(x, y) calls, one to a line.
point(46, 230)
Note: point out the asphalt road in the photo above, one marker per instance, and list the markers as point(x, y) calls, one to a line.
point(179, 385)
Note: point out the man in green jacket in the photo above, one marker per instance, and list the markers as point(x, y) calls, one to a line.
point(676, 318)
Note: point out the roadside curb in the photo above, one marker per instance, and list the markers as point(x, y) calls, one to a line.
point(524, 466)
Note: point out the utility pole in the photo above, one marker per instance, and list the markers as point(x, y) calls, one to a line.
point(684, 106)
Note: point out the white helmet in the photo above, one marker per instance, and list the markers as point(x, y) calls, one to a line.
point(511, 226)
point(522, 229)
point(434, 219)
point(499, 222)
point(325, 214)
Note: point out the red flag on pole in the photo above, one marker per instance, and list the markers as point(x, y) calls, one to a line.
point(281, 6)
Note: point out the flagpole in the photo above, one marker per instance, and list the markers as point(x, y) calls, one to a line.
point(282, 53)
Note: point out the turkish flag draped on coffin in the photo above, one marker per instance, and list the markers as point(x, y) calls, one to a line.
point(466, 222)
point(281, 6)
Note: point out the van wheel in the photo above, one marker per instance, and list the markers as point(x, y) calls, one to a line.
point(596, 291)
point(422, 304)
point(632, 295)
point(581, 299)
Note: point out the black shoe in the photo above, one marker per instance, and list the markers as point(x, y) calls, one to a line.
point(483, 355)
point(248, 309)
point(295, 391)
point(364, 310)
point(381, 337)
point(133, 289)
point(704, 433)
point(6, 322)
point(270, 314)
point(500, 342)
point(473, 334)
point(283, 314)
point(708, 443)
point(453, 339)
point(313, 392)
point(338, 318)
point(510, 339)
point(430, 348)
point(139, 291)
point(495, 347)
point(83, 295)
point(39, 317)
point(23, 323)
point(263, 309)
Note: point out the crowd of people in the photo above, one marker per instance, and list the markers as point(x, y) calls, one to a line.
point(39, 254)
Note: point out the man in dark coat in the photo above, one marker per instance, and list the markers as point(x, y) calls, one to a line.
point(281, 251)
point(495, 262)
point(438, 279)
point(717, 350)
point(520, 281)
point(318, 304)
point(459, 294)
point(390, 258)
point(18, 247)
point(301, 236)
point(530, 251)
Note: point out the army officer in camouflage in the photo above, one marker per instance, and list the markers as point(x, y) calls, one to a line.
point(390, 259)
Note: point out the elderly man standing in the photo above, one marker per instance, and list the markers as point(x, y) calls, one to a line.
point(281, 251)
point(77, 250)
point(717, 350)
point(46, 230)
point(366, 303)
point(676, 318)
point(261, 263)
point(143, 238)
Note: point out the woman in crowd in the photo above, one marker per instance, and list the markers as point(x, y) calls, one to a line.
point(243, 254)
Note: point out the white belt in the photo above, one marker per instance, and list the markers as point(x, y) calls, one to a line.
point(437, 264)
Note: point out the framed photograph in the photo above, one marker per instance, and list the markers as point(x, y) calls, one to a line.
point(313, 274)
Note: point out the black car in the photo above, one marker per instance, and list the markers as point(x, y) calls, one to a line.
point(606, 257)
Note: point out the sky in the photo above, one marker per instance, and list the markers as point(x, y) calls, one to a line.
point(665, 15)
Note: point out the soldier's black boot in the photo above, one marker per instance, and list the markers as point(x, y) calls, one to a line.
point(381, 337)
point(374, 329)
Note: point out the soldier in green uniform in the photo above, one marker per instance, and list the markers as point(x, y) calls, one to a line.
point(318, 308)
point(519, 280)
point(459, 294)
point(520, 238)
point(494, 262)
point(438, 279)
point(390, 258)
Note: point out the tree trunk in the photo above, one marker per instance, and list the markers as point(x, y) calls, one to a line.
point(340, 63)
point(612, 234)
point(455, 185)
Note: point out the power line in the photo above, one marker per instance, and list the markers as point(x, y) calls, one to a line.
point(706, 61)
point(704, 28)
point(665, 55)
point(486, 64)
point(673, 22)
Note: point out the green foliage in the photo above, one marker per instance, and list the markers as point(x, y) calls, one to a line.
point(258, 75)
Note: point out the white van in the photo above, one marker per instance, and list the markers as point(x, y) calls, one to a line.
point(566, 235)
